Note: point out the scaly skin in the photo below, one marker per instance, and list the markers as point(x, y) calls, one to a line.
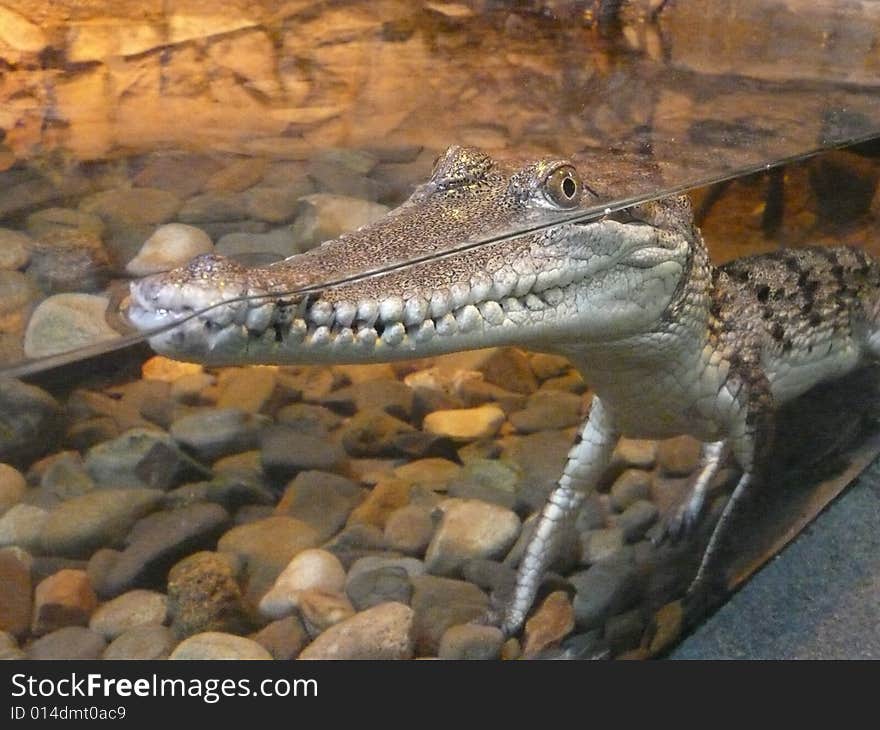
point(669, 343)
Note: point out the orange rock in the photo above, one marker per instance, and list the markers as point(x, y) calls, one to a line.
point(65, 598)
point(161, 368)
point(551, 623)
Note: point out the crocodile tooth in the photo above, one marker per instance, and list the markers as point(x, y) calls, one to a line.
point(394, 334)
point(439, 303)
point(492, 312)
point(391, 309)
point(368, 310)
point(460, 294)
point(298, 329)
point(512, 304)
point(345, 313)
point(524, 285)
point(220, 317)
point(503, 282)
point(366, 336)
point(415, 311)
point(468, 318)
point(546, 279)
point(553, 296)
point(447, 325)
point(425, 331)
point(344, 337)
point(534, 302)
point(321, 313)
point(259, 318)
point(481, 286)
point(321, 336)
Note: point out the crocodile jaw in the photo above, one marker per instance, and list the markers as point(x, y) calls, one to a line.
point(574, 283)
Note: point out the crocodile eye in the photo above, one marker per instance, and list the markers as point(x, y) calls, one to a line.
point(563, 187)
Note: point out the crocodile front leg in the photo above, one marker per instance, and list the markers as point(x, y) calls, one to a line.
point(587, 460)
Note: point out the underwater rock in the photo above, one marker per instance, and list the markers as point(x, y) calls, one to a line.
point(388, 495)
point(238, 175)
point(286, 451)
point(69, 261)
point(409, 529)
point(465, 424)
point(49, 222)
point(382, 632)
point(546, 366)
point(608, 587)
point(141, 458)
point(372, 433)
point(160, 540)
point(128, 611)
point(548, 410)
point(9, 647)
point(308, 418)
point(322, 609)
point(142, 642)
point(15, 598)
point(368, 588)
point(439, 603)
point(312, 569)
point(71, 642)
point(212, 207)
point(600, 544)
point(549, 624)
point(624, 631)
point(471, 641)
point(12, 487)
point(22, 526)
point(489, 575)
point(132, 206)
point(80, 525)
point(636, 519)
point(631, 485)
point(470, 529)
point(17, 292)
point(508, 368)
point(66, 322)
point(278, 241)
point(14, 249)
point(321, 499)
point(284, 638)
point(204, 595)
point(488, 480)
point(65, 598)
point(323, 216)
point(216, 432)
point(679, 456)
point(171, 245)
point(215, 645)
point(391, 396)
point(277, 205)
point(248, 389)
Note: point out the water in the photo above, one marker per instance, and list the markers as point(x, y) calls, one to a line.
point(118, 124)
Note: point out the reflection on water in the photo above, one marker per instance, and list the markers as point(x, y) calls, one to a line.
point(134, 142)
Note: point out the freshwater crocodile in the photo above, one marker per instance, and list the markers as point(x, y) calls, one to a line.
point(669, 343)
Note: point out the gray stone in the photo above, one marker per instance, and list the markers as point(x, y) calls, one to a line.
point(49, 221)
point(286, 451)
point(548, 410)
point(632, 485)
point(230, 490)
point(488, 480)
point(610, 586)
point(266, 547)
point(16, 596)
point(142, 642)
point(624, 631)
point(409, 529)
point(214, 206)
point(412, 566)
point(135, 206)
point(128, 611)
point(322, 216)
point(321, 500)
point(213, 433)
point(355, 542)
point(65, 475)
point(284, 638)
point(470, 641)
point(636, 453)
point(141, 458)
point(160, 541)
point(369, 588)
point(278, 241)
point(22, 526)
point(381, 632)
point(14, 249)
point(30, 422)
point(678, 457)
point(470, 529)
point(215, 645)
point(204, 595)
point(170, 246)
point(71, 642)
point(65, 322)
point(372, 433)
point(601, 544)
point(439, 603)
point(540, 458)
point(12, 487)
point(80, 525)
point(636, 519)
point(329, 178)
point(308, 418)
point(490, 575)
point(358, 161)
point(69, 261)
point(17, 292)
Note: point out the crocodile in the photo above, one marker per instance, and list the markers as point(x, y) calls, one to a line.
point(669, 343)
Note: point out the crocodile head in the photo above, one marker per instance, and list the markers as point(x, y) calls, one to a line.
point(572, 282)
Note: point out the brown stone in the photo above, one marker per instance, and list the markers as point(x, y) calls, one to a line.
point(15, 591)
point(551, 623)
point(65, 598)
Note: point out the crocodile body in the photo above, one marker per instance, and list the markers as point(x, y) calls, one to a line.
point(669, 343)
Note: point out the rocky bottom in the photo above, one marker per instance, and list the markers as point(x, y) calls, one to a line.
point(328, 512)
